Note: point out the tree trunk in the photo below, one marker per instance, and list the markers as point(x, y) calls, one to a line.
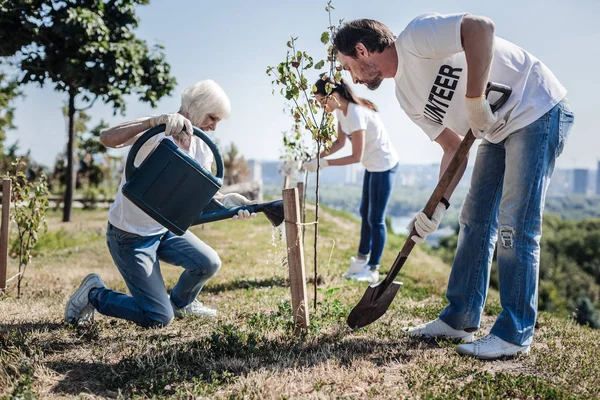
point(71, 176)
point(317, 222)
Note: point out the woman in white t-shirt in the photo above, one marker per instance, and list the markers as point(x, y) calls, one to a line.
point(359, 122)
point(137, 242)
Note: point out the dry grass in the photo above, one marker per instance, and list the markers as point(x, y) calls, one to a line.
point(250, 351)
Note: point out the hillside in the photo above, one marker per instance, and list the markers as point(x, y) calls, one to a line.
point(250, 350)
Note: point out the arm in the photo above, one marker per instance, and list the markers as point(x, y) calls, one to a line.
point(477, 36)
point(124, 134)
point(358, 148)
point(450, 140)
point(424, 225)
point(339, 143)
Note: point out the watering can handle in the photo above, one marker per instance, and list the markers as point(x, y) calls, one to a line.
point(130, 168)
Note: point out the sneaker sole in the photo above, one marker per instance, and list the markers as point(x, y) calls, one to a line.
point(466, 339)
point(78, 293)
point(490, 358)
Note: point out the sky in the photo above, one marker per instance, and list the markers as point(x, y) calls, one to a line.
point(233, 42)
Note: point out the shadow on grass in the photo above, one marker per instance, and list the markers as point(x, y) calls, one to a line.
point(246, 284)
point(26, 327)
point(23, 337)
point(228, 353)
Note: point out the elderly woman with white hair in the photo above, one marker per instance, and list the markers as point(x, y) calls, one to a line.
point(137, 242)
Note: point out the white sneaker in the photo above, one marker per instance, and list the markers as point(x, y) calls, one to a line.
point(78, 307)
point(356, 266)
point(490, 347)
point(366, 274)
point(438, 328)
point(194, 308)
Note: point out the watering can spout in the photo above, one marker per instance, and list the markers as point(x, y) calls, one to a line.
point(215, 211)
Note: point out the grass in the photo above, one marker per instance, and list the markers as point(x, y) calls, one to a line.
point(250, 351)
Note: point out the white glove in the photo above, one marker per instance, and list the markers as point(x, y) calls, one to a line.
point(174, 123)
point(425, 226)
point(237, 200)
point(480, 116)
point(311, 166)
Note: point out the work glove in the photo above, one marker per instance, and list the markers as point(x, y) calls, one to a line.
point(174, 124)
point(237, 200)
point(311, 166)
point(480, 116)
point(425, 226)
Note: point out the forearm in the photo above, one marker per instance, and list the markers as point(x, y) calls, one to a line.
point(478, 43)
point(123, 134)
point(446, 158)
point(344, 160)
point(335, 147)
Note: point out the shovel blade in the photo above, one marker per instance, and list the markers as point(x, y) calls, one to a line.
point(374, 303)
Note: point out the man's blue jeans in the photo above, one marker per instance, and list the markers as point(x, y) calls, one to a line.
point(137, 258)
point(507, 195)
point(377, 187)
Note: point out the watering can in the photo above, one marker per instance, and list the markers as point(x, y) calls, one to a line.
point(176, 191)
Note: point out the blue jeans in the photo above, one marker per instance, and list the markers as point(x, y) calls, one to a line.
point(137, 258)
point(377, 187)
point(507, 194)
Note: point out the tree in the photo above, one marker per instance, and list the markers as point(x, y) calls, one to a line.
point(86, 49)
point(586, 314)
point(30, 199)
point(8, 93)
point(291, 76)
point(236, 167)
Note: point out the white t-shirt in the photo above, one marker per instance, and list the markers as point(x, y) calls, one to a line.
point(379, 155)
point(127, 216)
point(431, 79)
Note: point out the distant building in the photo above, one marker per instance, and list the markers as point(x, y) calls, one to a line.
point(561, 183)
point(580, 180)
point(598, 179)
point(255, 167)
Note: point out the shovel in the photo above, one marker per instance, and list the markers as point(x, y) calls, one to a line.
point(379, 296)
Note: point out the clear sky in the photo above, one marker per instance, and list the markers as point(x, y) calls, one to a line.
point(234, 41)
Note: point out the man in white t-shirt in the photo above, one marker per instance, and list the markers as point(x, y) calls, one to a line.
point(441, 65)
point(137, 243)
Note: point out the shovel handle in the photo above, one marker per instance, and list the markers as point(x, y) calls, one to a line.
point(446, 179)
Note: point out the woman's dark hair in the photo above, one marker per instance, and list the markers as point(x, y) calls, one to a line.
point(374, 35)
point(343, 90)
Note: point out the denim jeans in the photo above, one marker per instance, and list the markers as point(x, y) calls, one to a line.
point(507, 195)
point(137, 258)
point(377, 187)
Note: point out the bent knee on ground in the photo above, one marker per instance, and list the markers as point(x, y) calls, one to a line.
point(157, 320)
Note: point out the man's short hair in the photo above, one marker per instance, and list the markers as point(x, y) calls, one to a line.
point(374, 35)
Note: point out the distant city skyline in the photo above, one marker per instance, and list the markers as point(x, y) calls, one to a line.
point(566, 181)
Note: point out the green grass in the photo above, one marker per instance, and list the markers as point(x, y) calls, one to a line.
point(251, 351)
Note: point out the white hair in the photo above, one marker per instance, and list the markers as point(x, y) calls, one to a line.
point(203, 98)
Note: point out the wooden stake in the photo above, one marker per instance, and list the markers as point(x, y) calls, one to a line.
point(301, 200)
point(4, 232)
point(295, 250)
